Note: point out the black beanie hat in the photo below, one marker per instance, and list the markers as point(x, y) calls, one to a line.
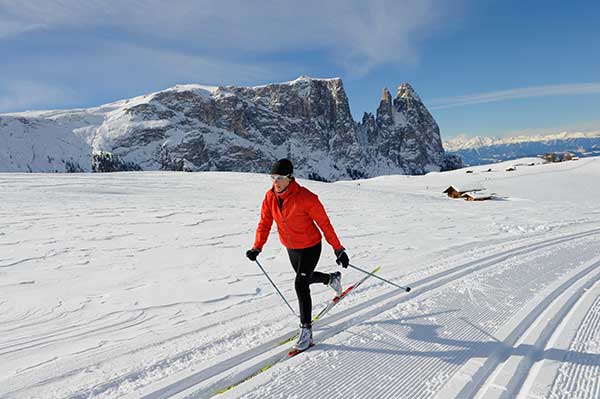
point(282, 167)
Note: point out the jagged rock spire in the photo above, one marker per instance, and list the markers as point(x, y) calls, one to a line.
point(386, 96)
point(385, 110)
point(406, 91)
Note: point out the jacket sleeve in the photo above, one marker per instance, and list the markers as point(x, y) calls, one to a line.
point(264, 225)
point(317, 212)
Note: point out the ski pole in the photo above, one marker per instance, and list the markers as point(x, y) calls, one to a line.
point(407, 289)
point(279, 292)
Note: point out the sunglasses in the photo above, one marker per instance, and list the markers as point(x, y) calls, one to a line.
point(279, 177)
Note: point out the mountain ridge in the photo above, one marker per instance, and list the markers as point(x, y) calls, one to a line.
point(483, 150)
point(230, 128)
point(464, 142)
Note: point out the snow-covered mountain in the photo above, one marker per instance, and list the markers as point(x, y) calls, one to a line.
point(230, 128)
point(482, 150)
point(403, 137)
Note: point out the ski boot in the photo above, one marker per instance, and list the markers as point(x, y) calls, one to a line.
point(335, 282)
point(305, 338)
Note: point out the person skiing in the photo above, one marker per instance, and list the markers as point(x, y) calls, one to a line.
point(297, 212)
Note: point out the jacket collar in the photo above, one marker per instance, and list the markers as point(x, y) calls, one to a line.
point(292, 189)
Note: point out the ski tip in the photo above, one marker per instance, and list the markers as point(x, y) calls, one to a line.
point(293, 352)
point(408, 289)
point(376, 269)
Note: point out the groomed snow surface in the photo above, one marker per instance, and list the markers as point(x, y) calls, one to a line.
point(136, 285)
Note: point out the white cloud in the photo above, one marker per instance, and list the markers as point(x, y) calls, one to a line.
point(525, 92)
point(122, 63)
point(28, 94)
point(111, 72)
point(352, 33)
point(13, 28)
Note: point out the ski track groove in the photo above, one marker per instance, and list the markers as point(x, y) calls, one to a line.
point(235, 318)
point(172, 359)
point(479, 382)
point(435, 281)
point(569, 377)
point(533, 246)
point(576, 353)
point(291, 386)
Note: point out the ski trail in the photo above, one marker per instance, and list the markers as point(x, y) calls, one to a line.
point(232, 371)
point(434, 326)
point(526, 343)
point(188, 359)
point(576, 375)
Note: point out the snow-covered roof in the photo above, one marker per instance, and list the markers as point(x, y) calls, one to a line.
point(462, 190)
point(477, 194)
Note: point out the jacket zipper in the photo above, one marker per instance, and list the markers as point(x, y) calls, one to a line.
point(284, 220)
point(287, 231)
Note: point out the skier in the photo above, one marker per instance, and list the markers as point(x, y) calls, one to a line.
point(296, 210)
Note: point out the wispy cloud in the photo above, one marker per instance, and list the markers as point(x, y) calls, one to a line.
point(110, 72)
point(354, 34)
point(28, 94)
point(133, 63)
point(13, 28)
point(524, 92)
point(104, 50)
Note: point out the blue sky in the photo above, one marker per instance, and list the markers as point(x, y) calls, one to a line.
point(482, 67)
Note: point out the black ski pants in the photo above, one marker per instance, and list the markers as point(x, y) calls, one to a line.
point(304, 261)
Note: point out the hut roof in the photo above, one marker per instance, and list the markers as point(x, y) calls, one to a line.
point(477, 196)
point(461, 190)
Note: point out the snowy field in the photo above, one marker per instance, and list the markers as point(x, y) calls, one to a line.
point(136, 285)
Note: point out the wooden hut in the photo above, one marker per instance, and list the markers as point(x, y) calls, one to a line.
point(477, 196)
point(454, 192)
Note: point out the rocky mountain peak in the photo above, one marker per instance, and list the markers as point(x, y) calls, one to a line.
point(386, 96)
point(232, 128)
point(385, 112)
point(406, 91)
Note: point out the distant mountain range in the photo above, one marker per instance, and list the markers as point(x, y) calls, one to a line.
point(231, 128)
point(484, 150)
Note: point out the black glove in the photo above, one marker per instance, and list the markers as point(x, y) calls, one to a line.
point(342, 258)
point(252, 253)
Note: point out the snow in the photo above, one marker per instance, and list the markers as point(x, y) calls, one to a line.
point(46, 141)
point(463, 141)
point(302, 79)
point(136, 285)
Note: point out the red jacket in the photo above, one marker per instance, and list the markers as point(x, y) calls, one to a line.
point(295, 220)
